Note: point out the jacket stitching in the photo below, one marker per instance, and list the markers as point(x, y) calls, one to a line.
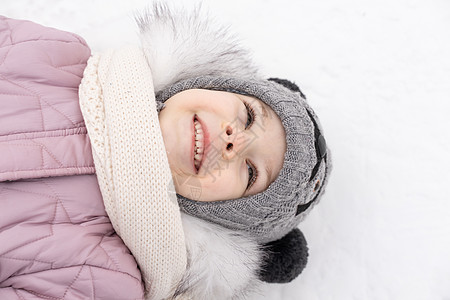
point(69, 119)
point(88, 265)
point(39, 194)
point(93, 266)
point(51, 154)
point(107, 254)
point(58, 199)
point(33, 94)
point(6, 55)
point(41, 238)
point(40, 100)
point(92, 281)
point(39, 40)
point(10, 32)
point(30, 242)
point(63, 133)
point(16, 94)
point(42, 147)
point(19, 296)
point(60, 68)
point(24, 259)
point(51, 169)
point(74, 280)
point(41, 295)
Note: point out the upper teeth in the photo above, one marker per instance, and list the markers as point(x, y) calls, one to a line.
point(199, 146)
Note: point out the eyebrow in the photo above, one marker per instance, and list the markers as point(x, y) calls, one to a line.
point(267, 166)
point(265, 113)
point(268, 169)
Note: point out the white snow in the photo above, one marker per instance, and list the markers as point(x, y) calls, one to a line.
point(378, 75)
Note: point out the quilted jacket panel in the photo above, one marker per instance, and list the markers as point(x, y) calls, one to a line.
point(56, 240)
point(42, 131)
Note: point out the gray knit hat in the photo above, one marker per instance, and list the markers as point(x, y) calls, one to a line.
point(271, 214)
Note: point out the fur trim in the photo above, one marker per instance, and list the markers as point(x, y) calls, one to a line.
point(181, 45)
point(222, 264)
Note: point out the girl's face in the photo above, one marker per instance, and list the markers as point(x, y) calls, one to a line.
point(221, 145)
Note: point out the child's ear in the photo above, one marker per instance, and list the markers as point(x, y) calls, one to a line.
point(285, 258)
point(288, 84)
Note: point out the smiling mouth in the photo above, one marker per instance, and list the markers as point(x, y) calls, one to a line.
point(199, 143)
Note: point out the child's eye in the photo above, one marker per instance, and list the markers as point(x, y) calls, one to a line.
point(250, 115)
point(252, 174)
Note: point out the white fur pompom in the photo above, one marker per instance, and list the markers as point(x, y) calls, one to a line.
point(183, 44)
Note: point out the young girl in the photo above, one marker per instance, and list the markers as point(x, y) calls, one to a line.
point(243, 157)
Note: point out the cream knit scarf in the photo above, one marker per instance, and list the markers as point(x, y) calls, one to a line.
point(118, 104)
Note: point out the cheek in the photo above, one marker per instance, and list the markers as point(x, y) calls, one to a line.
point(221, 185)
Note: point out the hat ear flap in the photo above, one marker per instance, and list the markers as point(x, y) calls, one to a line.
point(285, 258)
point(288, 84)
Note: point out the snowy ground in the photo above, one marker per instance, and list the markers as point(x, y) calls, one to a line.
point(378, 75)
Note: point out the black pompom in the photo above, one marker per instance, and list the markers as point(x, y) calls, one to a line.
point(286, 258)
point(288, 84)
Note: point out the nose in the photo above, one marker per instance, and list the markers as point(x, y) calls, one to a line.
point(234, 142)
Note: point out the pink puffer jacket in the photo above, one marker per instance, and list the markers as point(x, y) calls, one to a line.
point(56, 241)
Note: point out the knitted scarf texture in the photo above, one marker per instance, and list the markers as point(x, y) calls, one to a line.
point(118, 104)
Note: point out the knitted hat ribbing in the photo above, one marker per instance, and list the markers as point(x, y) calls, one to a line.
point(271, 214)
